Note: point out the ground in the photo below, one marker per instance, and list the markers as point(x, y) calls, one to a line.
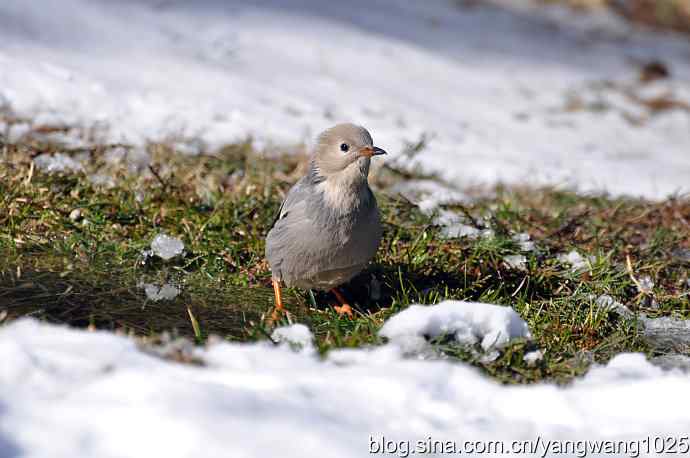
point(74, 250)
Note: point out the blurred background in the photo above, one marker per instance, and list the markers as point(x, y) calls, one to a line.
point(592, 95)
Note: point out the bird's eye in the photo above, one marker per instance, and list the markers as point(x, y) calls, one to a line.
point(344, 147)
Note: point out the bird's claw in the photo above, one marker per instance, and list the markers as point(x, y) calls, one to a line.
point(344, 309)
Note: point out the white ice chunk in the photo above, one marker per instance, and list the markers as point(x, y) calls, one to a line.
point(470, 323)
point(532, 357)
point(159, 293)
point(166, 247)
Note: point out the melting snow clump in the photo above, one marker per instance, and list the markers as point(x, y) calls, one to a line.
point(428, 195)
point(523, 240)
point(645, 284)
point(159, 293)
point(532, 357)
point(576, 260)
point(57, 163)
point(100, 179)
point(453, 226)
point(166, 247)
point(470, 323)
point(516, 261)
point(297, 336)
point(458, 230)
point(608, 303)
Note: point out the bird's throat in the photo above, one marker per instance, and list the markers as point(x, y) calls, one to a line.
point(345, 191)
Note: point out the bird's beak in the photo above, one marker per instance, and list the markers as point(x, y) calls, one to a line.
point(369, 151)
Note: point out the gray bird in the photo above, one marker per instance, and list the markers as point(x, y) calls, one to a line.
point(329, 227)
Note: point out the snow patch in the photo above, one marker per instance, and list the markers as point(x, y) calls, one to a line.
point(553, 85)
point(469, 323)
point(78, 394)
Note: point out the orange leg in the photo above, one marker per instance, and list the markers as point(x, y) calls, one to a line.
point(279, 309)
point(344, 308)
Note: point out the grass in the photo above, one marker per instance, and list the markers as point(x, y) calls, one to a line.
point(72, 253)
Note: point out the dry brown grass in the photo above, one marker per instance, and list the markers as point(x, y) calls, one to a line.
point(661, 14)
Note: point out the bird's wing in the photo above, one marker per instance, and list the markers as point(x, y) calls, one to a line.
point(295, 198)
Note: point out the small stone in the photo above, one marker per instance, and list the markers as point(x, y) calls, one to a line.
point(672, 361)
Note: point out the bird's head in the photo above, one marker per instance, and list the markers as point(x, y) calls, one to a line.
point(344, 150)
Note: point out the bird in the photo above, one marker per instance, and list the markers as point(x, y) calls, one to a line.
point(328, 227)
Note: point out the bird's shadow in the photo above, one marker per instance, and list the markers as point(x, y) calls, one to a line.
point(380, 286)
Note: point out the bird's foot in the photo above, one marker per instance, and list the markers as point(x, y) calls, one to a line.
point(278, 314)
point(278, 311)
point(344, 308)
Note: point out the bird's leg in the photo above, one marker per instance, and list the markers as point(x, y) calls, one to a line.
point(344, 308)
point(278, 310)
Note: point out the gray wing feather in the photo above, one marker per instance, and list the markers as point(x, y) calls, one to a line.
point(297, 193)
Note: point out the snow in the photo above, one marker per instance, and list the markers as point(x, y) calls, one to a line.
point(497, 94)
point(297, 336)
point(532, 357)
point(524, 242)
point(165, 292)
point(469, 323)
point(166, 247)
point(516, 261)
point(576, 261)
point(645, 284)
point(491, 94)
point(608, 303)
point(72, 393)
point(58, 162)
point(428, 195)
